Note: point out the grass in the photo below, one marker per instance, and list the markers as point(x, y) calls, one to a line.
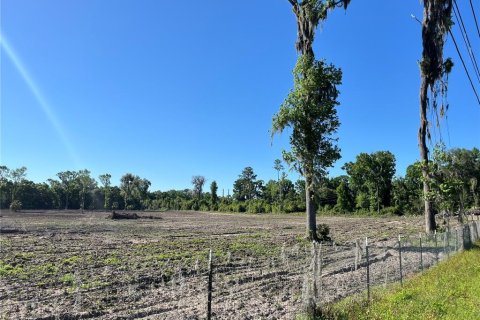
point(450, 290)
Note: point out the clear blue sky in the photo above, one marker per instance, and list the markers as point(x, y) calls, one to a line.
point(171, 89)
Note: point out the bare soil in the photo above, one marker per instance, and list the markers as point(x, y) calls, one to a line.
point(69, 265)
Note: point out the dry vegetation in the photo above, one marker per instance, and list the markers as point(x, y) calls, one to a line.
point(65, 264)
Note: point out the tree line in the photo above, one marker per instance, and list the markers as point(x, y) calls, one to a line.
point(368, 187)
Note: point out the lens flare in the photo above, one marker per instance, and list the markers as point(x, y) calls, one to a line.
point(44, 105)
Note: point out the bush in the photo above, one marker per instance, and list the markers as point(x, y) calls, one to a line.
point(323, 232)
point(16, 206)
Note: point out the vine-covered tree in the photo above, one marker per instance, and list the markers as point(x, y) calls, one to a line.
point(437, 20)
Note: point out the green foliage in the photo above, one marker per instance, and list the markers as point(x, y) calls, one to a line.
point(371, 177)
point(310, 111)
point(9, 270)
point(105, 180)
point(345, 197)
point(323, 232)
point(450, 290)
point(247, 187)
point(213, 195)
point(67, 279)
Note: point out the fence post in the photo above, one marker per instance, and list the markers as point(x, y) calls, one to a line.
point(209, 296)
point(436, 245)
point(447, 237)
point(400, 258)
point(320, 270)
point(421, 253)
point(356, 254)
point(314, 271)
point(368, 268)
point(456, 239)
point(386, 267)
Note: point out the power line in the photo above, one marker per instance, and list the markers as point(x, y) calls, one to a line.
point(475, 17)
point(466, 39)
point(464, 66)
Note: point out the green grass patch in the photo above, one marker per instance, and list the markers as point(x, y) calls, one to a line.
point(112, 261)
point(450, 290)
point(10, 270)
point(71, 260)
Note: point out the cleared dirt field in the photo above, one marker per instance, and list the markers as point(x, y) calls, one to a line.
point(69, 265)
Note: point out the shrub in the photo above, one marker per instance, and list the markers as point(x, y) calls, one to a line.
point(323, 232)
point(16, 206)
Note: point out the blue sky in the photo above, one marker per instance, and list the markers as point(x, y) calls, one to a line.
point(171, 89)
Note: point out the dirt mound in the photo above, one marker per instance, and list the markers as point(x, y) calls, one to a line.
point(123, 215)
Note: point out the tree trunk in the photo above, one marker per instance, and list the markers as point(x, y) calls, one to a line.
point(310, 208)
point(66, 200)
point(422, 143)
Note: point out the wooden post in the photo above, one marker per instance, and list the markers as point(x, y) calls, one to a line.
point(209, 296)
point(400, 258)
point(368, 268)
point(436, 245)
point(421, 253)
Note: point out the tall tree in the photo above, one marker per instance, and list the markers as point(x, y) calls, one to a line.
point(372, 174)
point(198, 182)
point(127, 187)
point(310, 110)
point(67, 179)
point(309, 13)
point(17, 176)
point(247, 187)
point(213, 194)
point(105, 181)
point(435, 26)
point(86, 183)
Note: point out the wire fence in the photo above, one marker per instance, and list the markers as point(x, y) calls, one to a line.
point(275, 285)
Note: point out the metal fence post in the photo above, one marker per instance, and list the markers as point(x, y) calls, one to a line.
point(421, 253)
point(314, 271)
point(456, 239)
point(210, 278)
point(400, 258)
point(368, 268)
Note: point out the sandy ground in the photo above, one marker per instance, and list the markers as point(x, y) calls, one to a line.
point(69, 265)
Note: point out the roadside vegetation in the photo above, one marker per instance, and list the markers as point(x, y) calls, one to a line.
point(450, 290)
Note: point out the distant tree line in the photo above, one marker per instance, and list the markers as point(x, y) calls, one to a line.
point(369, 187)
